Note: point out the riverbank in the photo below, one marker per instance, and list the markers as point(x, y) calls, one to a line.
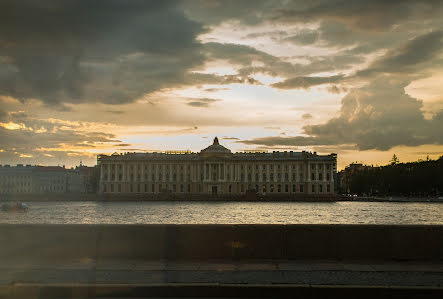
point(166, 197)
point(200, 197)
point(392, 199)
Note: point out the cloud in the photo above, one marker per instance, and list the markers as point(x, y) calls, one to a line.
point(307, 82)
point(378, 116)
point(90, 62)
point(108, 51)
point(115, 111)
point(359, 15)
point(419, 53)
point(3, 114)
point(336, 89)
point(273, 141)
point(230, 138)
point(416, 55)
point(245, 56)
point(201, 102)
point(42, 139)
point(304, 37)
point(215, 89)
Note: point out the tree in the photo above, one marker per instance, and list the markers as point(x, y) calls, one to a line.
point(394, 160)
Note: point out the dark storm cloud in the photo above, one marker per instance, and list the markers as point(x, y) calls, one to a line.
point(366, 26)
point(413, 56)
point(361, 15)
point(215, 12)
point(107, 51)
point(245, 56)
point(417, 54)
point(332, 34)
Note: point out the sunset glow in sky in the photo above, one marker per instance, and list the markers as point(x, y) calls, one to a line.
point(362, 79)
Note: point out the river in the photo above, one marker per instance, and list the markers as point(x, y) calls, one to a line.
point(227, 213)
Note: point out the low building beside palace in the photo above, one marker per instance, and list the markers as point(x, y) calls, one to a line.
point(34, 179)
point(217, 171)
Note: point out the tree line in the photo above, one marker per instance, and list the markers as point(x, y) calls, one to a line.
point(421, 178)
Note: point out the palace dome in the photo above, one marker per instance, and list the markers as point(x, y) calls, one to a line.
point(216, 148)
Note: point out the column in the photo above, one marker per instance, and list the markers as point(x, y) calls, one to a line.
point(109, 172)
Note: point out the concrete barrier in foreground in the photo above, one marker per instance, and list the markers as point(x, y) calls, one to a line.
point(218, 242)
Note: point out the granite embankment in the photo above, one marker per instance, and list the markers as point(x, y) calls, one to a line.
point(83, 261)
point(209, 242)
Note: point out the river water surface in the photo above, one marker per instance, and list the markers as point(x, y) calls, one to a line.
point(228, 213)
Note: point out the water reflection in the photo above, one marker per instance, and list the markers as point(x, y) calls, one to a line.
point(229, 213)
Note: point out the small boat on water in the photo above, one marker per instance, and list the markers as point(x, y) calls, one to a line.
point(15, 207)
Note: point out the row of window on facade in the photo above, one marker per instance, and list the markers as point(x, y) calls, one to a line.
point(153, 167)
point(28, 179)
point(12, 184)
point(278, 188)
point(15, 177)
point(18, 188)
point(264, 177)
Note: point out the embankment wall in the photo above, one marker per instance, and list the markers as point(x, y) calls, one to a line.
point(222, 242)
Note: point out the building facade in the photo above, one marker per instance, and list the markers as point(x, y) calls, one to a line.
point(27, 179)
point(346, 175)
point(218, 171)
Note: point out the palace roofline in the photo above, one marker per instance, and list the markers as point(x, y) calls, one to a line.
point(218, 151)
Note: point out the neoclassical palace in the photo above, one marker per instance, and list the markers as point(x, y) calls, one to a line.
point(217, 171)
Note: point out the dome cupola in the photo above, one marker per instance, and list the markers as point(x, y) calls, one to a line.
point(215, 149)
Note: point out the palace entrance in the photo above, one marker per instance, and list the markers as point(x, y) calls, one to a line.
point(214, 190)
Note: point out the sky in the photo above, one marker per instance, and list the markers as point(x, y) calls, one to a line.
point(359, 78)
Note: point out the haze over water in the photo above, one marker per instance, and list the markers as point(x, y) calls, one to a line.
point(227, 213)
